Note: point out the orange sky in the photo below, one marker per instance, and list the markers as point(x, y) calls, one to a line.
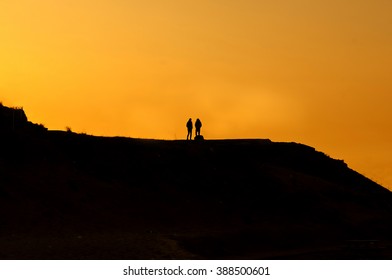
point(309, 71)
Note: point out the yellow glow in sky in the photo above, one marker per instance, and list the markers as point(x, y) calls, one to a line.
point(309, 71)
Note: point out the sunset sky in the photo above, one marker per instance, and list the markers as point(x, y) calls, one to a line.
point(308, 71)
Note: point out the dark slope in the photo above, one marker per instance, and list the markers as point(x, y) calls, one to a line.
point(70, 196)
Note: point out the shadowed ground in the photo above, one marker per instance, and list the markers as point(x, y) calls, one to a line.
point(71, 196)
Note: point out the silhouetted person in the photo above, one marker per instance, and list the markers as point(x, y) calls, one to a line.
point(198, 127)
point(189, 126)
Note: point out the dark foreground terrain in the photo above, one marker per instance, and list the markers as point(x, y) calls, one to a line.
point(70, 196)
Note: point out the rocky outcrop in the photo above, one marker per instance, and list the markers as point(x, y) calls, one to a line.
point(15, 119)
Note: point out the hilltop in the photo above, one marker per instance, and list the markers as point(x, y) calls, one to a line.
point(70, 196)
point(15, 120)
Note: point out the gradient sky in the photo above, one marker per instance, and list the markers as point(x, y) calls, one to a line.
point(308, 71)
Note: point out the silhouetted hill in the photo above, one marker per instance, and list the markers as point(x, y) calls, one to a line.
point(70, 196)
point(15, 119)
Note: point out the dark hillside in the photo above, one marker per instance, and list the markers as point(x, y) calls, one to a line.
point(15, 120)
point(71, 196)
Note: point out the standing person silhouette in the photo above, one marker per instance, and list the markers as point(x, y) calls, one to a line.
point(198, 127)
point(189, 126)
